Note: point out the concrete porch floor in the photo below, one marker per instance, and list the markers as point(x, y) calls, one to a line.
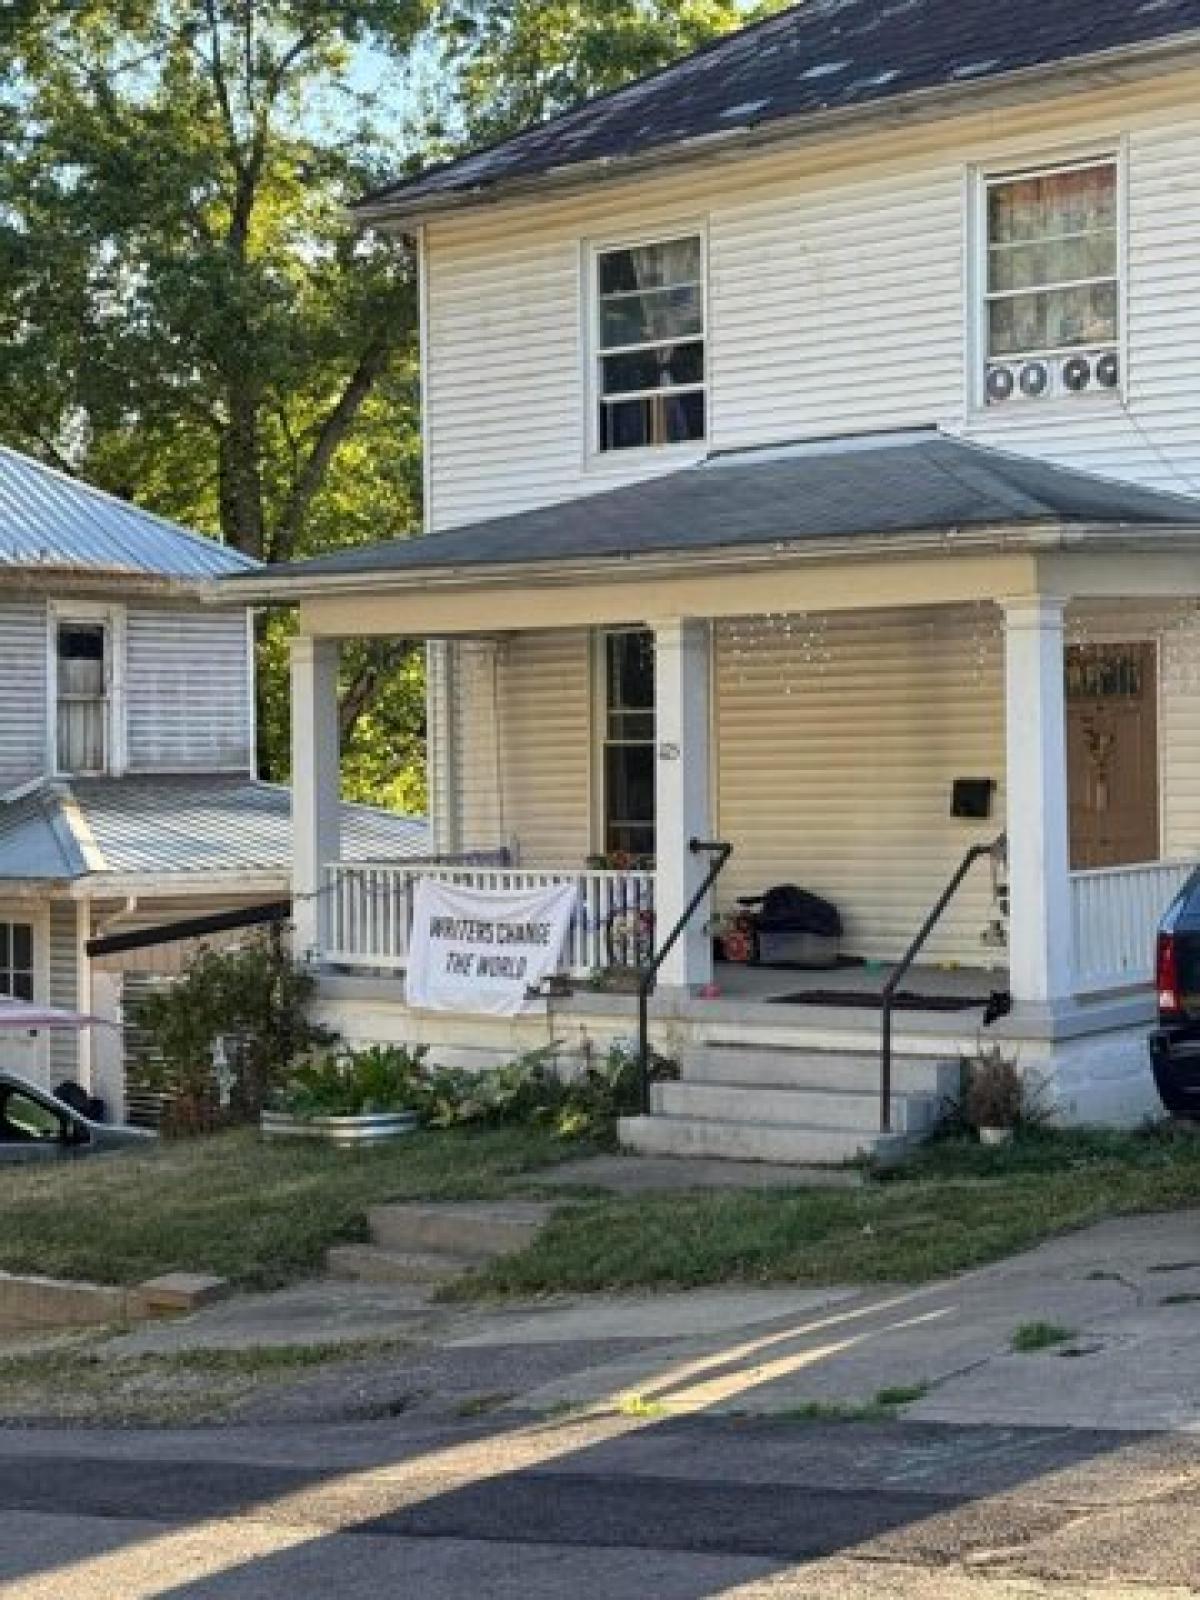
point(749, 997)
point(767, 984)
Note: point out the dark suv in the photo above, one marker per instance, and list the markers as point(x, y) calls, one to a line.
point(1175, 1045)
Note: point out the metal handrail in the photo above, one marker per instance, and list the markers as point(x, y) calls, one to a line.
point(649, 974)
point(997, 851)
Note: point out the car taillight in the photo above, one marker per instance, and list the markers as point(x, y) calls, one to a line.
point(1168, 977)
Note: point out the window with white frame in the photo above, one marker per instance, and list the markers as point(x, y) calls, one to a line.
point(649, 337)
point(81, 650)
point(629, 753)
point(16, 960)
point(1051, 283)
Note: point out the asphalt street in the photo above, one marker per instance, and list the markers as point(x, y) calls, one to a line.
point(609, 1507)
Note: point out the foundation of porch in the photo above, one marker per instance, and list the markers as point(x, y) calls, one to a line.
point(766, 1081)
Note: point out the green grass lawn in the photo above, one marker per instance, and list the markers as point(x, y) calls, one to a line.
point(259, 1214)
point(264, 1214)
point(953, 1207)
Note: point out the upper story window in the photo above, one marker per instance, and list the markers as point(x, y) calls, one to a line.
point(83, 676)
point(1052, 283)
point(651, 366)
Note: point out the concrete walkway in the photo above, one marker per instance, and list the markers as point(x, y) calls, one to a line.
point(1125, 1296)
point(1127, 1293)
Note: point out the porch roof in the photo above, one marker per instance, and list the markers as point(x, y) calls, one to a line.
point(155, 826)
point(868, 488)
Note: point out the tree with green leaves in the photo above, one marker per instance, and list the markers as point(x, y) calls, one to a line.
point(521, 61)
point(187, 315)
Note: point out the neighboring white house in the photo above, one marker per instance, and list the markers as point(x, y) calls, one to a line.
point(127, 791)
point(810, 426)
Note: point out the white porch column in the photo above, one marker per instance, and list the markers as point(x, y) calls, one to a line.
point(1041, 937)
point(683, 651)
point(316, 784)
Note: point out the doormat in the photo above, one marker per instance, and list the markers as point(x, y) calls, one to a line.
point(849, 1000)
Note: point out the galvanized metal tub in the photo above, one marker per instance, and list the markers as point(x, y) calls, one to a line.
point(345, 1133)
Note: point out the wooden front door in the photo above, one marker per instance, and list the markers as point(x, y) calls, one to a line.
point(1112, 755)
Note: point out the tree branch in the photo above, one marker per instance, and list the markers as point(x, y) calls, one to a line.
point(333, 430)
point(383, 656)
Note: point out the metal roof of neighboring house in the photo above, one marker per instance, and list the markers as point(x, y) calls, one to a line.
point(819, 57)
point(49, 521)
point(68, 829)
point(870, 487)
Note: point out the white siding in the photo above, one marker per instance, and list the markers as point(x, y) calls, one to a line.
point(23, 701)
point(838, 744)
point(187, 691)
point(838, 304)
point(63, 987)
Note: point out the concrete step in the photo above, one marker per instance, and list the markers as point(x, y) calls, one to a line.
point(473, 1232)
point(754, 1141)
point(797, 1108)
point(775, 1068)
point(367, 1263)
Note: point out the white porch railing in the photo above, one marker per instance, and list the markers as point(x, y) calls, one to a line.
point(1115, 914)
point(369, 909)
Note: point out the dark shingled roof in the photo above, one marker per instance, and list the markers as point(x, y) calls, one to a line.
point(867, 487)
point(821, 56)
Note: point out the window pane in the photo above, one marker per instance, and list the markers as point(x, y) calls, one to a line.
point(5, 944)
point(629, 774)
point(630, 727)
point(650, 266)
point(659, 419)
point(81, 642)
point(1060, 318)
point(81, 736)
point(631, 672)
point(667, 367)
point(22, 946)
point(646, 318)
point(22, 985)
point(1056, 203)
point(1026, 266)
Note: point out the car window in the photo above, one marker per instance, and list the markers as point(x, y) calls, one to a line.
point(23, 1118)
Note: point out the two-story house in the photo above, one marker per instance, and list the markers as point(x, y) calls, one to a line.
point(128, 796)
point(813, 449)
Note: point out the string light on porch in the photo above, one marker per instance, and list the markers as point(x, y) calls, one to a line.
point(794, 645)
point(985, 643)
point(1181, 650)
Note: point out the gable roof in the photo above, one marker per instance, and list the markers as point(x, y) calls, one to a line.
point(51, 522)
point(818, 57)
point(76, 828)
point(872, 487)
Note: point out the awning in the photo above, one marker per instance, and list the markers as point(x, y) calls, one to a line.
point(18, 1016)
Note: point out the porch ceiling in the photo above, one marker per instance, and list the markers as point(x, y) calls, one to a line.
point(849, 493)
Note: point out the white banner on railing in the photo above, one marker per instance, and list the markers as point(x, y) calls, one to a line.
point(479, 951)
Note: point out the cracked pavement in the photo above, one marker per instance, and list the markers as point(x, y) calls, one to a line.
point(726, 1443)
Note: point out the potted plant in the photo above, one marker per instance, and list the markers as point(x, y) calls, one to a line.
point(352, 1100)
point(993, 1096)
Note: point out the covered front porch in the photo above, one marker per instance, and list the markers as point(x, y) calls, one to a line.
point(843, 780)
point(852, 715)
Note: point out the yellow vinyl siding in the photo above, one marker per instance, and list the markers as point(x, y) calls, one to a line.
point(838, 744)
